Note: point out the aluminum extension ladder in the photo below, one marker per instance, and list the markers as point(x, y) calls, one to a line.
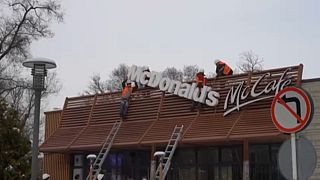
point(171, 147)
point(96, 167)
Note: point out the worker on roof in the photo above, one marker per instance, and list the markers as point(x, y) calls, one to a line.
point(200, 81)
point(146, 69)
point(222, 69)
point(127, 89)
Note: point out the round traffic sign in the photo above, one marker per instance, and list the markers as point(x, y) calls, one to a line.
point(291, 109)
point(306, 159)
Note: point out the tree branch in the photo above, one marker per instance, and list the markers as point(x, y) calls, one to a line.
point(15, 34)
point(3, 40)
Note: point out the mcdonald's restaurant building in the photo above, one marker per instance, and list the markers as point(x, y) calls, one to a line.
point(234, 139)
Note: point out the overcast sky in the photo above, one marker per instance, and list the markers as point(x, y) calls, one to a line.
point(97, 35)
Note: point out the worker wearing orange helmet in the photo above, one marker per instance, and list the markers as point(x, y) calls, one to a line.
point(200, 81)
point(126, 93)
point(222, 69)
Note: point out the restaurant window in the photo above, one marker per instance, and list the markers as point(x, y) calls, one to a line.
point(231, 163)
point(186, 163)
point(263, 162)
point(207, 164)
point(126, 165)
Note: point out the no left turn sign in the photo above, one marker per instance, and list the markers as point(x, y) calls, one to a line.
point(291, 110)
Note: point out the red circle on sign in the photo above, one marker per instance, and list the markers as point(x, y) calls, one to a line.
point(304, 121)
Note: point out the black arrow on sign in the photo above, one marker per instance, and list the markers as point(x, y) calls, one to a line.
point(296, 100)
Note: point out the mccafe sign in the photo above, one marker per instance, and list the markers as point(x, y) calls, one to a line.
point(236, 96)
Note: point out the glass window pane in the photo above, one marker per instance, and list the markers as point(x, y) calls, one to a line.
point(259, 153)
point(208, 156)
point(216, 173)
point(237, 154)
point(186, 157)
point(187, 173)
point(226, 155)
point(226, 173)
point(202, 173)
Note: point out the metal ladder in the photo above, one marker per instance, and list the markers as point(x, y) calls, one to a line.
point(96, 167)
point(171, 147)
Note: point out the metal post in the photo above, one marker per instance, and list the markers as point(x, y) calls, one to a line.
point(294, 156)
point(160, 155)
point(90, 173)
point(153, 164)
point(161, 168)
point(39, 68)
point(91, 158)
point(35, 140)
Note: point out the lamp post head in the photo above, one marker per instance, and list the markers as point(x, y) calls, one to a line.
point(159, 153)
point(39, 68)
point(47, 63)
point(91, 156)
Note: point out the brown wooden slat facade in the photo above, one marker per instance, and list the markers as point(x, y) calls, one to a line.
point(86, 120)
point(57, 165)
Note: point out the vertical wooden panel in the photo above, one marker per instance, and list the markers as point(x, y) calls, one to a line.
point(57, 165)
point(52, 122)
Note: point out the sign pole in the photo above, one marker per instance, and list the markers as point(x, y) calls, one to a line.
point(294, 156)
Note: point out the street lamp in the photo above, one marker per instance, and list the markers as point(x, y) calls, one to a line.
point(160, 155)
point(91, 157)
point(39, 68)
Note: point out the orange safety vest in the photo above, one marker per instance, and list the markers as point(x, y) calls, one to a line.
point(126, 92)
point(200, 79)
point(226, 70)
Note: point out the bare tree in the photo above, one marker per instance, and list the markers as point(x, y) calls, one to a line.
point(114, 83)
point(21, 95)
point(22, 22)
point(189, 72)
point(96, 85)
point(250, 62)
point(172, 73)
point(118, 75)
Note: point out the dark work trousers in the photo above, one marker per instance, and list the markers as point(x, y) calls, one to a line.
point(124, 104)
point(196, 104)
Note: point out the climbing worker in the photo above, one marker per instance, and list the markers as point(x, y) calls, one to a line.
point(127, 90)
point(200, 81)
point(222, 69)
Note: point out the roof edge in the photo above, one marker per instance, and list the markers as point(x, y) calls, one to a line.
point(310, 80)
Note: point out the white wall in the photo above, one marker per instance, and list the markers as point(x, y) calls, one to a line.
point(312, 132)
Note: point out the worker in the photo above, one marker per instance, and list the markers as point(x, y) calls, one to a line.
point(200, 81)
point(222, 69)
point(127, 90)
point(146, 69)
